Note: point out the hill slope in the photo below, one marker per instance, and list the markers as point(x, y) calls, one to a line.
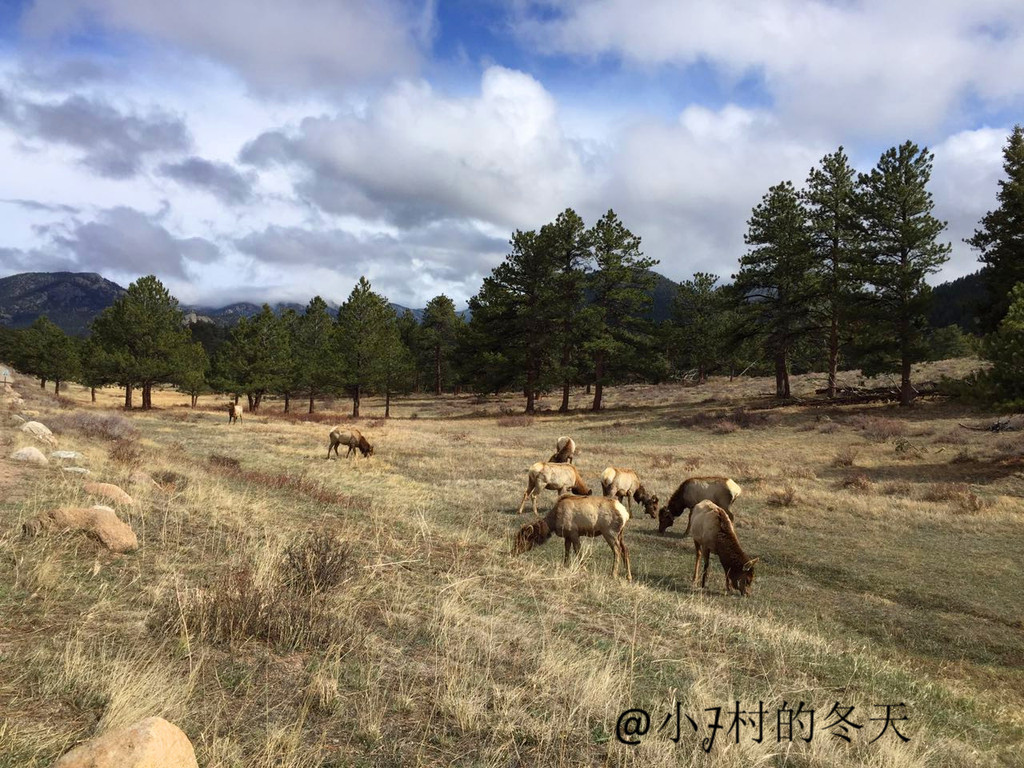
point(70, 299)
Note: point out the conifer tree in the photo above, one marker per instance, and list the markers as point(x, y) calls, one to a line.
point(775, 286)
point(699, 331)
point(440, 331)
point(1000, 238)
point(615, 334)
point(257, 356)
point(315, 351)
point(830, 197)
point(143, 335)
point(362, 338)
point(899, 249)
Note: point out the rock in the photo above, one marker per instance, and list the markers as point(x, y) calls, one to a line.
point(109, 491)
point(65, 455)
point(150, 743)
point(100, 522)
point(39, 431)
point(32, 455)
point(75, 470)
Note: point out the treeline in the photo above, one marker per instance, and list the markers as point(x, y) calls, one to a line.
point(834, 276)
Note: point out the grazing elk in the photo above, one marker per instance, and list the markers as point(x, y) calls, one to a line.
point(352, 439)
point(625, 484)
point(566, 451)
point(720, 490)
point(553, 477)
point(576, 516)
point(234, 413)
point(713, 533)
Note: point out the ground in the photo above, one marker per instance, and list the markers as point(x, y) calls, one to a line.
point(287, 610)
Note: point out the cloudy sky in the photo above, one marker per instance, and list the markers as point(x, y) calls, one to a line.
point(277, 149)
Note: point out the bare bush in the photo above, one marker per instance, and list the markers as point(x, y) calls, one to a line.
point(126, 452)
point(316, 563)
point(879, 429)
point(727, 421)
point(662, 461)
point(783, 497)
point(519, 420)
point(857, 482)
point(959, 495)
point(845, 457)
point(108, 426)
point(224, 462)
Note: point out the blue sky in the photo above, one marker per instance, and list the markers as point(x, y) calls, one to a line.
point(270, 150)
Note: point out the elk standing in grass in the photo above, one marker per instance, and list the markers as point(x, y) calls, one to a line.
point(576, 516)
point(720, 490)
point(565, 452)
point(713, 533)
point(625, 484)
point(234, 413)
point(553, 477)
point(352, 438)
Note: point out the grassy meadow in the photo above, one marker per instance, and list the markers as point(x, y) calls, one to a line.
point(285, 610)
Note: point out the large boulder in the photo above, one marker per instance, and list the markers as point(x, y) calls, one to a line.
point(150, 743)
point(32, 455)
point(39, 431)
point(108, 491)
point(99, 522)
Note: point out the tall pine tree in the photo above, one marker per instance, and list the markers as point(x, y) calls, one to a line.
point(830, 197)
point(1000, 237)
point(775, 286)
point(618, 286)
point(363, 327)
point(899, 250)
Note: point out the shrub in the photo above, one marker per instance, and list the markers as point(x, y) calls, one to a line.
point(126, 451)
point(316, 563)
point(845, 457)
point(783, 497)
point(109, 426)
point(959, 495)
point(857, 482)
point(224, 462)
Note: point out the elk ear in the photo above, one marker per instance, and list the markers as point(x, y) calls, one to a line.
point(749, 565)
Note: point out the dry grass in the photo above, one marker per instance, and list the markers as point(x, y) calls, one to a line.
point(289, 611)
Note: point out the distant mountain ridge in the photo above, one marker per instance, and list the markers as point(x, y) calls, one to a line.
point(73, 299)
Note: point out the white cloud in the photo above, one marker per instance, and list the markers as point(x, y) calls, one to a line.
point(277, 47)
point(871, 68)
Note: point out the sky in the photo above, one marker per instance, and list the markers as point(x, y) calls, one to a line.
point(280, 149)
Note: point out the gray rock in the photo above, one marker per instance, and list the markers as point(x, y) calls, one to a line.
point(65, 455)
point(31, 455)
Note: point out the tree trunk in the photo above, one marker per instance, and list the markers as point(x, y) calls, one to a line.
point(56, 387)
point(128, 396)
point(355, 402)
point(42, 383)
point(310, 402)
point(530, 376)
point(252, 402)
point(287, 402)
point(92, 393)
point(781, 376)
point(906, 388)
point(147, 396)
point(598, 381)
point(833, 355)
point(387, 404)
point(258, 402)
point(195, 399)
point(588, 388)
point(702, 374)
point(437, 369)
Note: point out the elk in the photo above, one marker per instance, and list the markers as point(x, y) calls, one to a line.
point(576, 516)
point(553, 477)
point(720, 490)
point(713, 533)
point(352, 438)
point(625, 484)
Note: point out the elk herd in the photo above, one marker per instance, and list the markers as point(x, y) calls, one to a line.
point(578, 513)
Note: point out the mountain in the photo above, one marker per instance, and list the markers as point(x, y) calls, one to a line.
point(69, 299)
point(959, 302)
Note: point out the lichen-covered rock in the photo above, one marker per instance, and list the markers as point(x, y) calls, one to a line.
point(65, 455)
point(99, 522)
point(108, 491)
point(32, 455)
point(150, 743)
point(75, 470)
point(39, 431)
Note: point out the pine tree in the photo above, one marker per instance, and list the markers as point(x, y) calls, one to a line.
point(362, 336)
point(54, 356)
point(440, 332)
point(699, 332)
point(565, 242)
point(257, 357)
point(315, 351)
point(1001, 235)
point(1005, 348)
point(775, 286)
point(830, 198)
point(394, 367)
point(899, 250)
point(193, 366)
point(615, 334)
point(143, 334)
point(515, 320)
